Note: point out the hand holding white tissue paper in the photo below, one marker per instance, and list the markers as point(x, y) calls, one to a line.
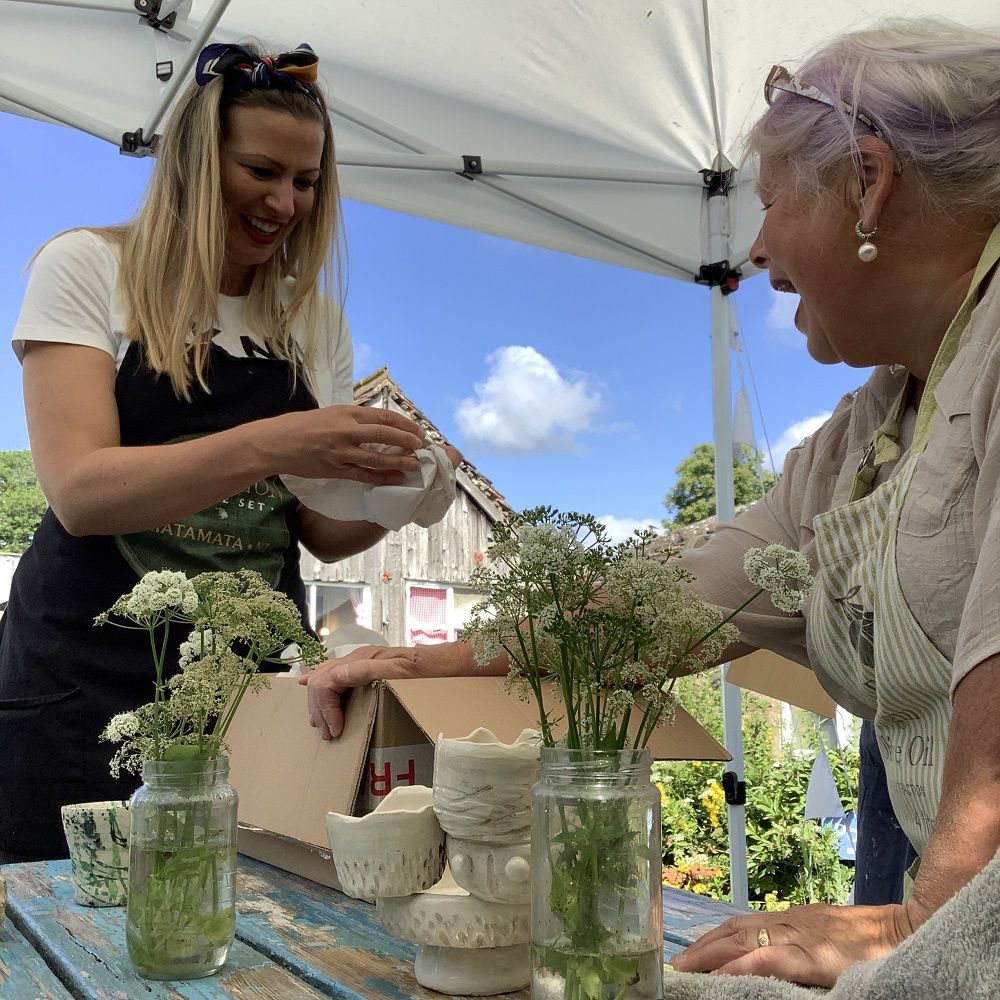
point(423, 498)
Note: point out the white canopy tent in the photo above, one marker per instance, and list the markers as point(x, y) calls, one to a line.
point(603, 128)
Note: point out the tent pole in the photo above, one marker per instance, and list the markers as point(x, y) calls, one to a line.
point(26, 98)
point(717, 252)
point(455, 164)
point(113, 6)
point(182, 76)
point(670, 264)
point(725, 509)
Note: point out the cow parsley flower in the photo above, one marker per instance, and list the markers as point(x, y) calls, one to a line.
point(782, 573)
point(238, 622)
point(610, 626)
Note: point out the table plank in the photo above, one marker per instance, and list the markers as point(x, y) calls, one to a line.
point(85, 947)
point(687, 916)
point(23, 973)
point(328, 939)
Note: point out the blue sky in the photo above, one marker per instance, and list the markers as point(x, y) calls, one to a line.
point(563, 380)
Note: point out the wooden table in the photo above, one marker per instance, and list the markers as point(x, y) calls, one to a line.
point(295, 941)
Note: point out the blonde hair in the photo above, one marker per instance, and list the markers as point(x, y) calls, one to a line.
point(933, 89)
point(172, 252)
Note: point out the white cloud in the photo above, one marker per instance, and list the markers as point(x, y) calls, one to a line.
point(364, 357)
point(794, 435)
point(620, 528)
point(526, 405)
point(780, 318)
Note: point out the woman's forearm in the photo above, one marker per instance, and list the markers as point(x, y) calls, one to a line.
point(97, 487)
point(329, 540)
point(455, 659)
point(119, 490)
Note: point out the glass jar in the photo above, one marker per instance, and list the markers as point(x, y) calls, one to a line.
point(596, 876)
point(181, 915)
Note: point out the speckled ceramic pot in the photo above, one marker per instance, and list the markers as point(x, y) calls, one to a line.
point(482, 787)
point(98, 837)
point(396, 850)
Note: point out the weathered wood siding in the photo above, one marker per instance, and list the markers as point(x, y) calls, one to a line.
point(443, 553)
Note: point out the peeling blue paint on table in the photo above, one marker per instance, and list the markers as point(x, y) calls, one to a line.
point(23, 972)
point(296, 940)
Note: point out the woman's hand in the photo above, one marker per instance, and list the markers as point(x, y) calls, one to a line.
point(810, 944)
point(327, 682)
point(338, 442)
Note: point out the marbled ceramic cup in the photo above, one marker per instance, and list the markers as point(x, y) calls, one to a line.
point(97, 834)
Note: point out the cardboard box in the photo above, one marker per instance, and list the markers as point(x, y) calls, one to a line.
point(774, 676)
point(288, 778)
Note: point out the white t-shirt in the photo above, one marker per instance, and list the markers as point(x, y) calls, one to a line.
point(73, 298)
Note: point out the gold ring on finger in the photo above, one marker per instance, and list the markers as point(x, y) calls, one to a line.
point(763, 938)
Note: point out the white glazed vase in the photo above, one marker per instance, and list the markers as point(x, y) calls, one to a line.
point(482, 787)
point(396, 850)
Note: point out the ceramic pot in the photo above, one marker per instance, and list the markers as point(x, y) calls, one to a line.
point(97, 834)
point(396, 850)
point(465, 946)
point(448, 917)
point(500, 873)
point(467, 972)
point(482, 787)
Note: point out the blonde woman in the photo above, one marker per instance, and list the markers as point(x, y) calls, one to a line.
point(173, 368)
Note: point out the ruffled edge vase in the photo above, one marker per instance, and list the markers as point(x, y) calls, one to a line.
point(395, 850)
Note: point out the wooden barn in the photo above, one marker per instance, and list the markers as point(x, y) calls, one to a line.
point(413, 586)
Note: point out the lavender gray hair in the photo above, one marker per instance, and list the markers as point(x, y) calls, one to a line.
point(932, 87)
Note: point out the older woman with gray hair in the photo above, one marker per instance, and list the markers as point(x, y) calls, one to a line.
point(880, 177)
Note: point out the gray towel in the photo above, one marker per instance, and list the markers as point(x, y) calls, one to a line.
point(954, 956)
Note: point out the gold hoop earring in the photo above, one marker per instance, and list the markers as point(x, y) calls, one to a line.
point(867, 252)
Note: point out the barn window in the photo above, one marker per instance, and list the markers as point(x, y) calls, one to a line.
point(332, 605)
point(436, 612)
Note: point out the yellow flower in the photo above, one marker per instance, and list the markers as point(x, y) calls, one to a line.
point(712, 800)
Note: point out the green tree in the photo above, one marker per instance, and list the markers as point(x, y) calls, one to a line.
point(21, 501)
point(692, 498)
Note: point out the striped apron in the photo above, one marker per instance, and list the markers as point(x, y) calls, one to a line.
point(860, 631)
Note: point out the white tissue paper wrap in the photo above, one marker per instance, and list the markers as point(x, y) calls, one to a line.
point(423, 498)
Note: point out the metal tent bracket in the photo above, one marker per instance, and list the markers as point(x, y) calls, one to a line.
point(718, 182)
point(150, 10)
point(736, 790)
point(136, 144)
point(720, 275)
point(471, 165)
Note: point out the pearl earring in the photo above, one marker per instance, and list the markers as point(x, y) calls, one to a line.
point(867, 252)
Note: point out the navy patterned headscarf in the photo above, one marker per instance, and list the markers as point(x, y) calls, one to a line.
point(242, 69)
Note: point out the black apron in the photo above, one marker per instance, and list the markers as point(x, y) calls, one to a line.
point(61, 678)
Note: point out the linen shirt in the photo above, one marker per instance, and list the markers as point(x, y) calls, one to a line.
point(948, 542)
